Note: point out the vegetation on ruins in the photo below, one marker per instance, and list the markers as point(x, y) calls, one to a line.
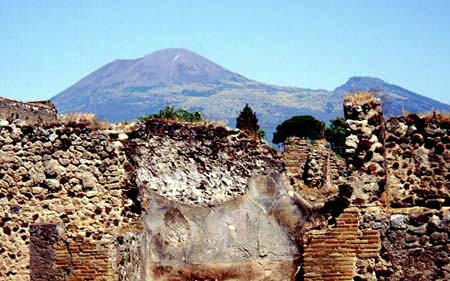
point(302, 126)
point(335, 134)
point(247, 122)
point(169, 112)
point(82, 120)
point(359, 97)
point(261, 134)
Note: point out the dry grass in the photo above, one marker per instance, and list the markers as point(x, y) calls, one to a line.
point(405, 112)
point(85, 119)
point(216, 123)
point(359, 97)
point(443, 117)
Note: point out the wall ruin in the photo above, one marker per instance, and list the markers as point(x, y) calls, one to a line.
point(398, 172)
point(71, 194)
point(139, 201)
point(34, 112)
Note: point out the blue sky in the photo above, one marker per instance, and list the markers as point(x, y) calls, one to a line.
point(46, 46)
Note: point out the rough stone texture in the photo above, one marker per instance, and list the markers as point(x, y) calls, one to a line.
point(313, 168)
point(174, 201)
point(365, 148)
point(43, 238)
point(133, 258)
point(214, 162)
point(35, 112)
point(84, 180)
point(65, 175)
point(415, 244)
point(418, 160)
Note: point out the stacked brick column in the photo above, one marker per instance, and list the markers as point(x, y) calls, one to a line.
point(295, 155)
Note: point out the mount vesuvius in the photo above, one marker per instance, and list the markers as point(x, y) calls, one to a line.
point(127, 89)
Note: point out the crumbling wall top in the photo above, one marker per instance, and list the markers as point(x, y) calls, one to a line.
point(32, 112)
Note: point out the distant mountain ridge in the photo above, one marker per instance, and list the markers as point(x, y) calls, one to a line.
point(128, 89)
point(395, 98)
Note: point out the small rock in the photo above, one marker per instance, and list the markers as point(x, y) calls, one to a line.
point(231, 227)
point(53, 137)
point(122, 137)
point(420, 230)
point(37, 190)
point(399, 221)
point(91, 194)
point(52, 184)
point(53, 168)
point(4, 123)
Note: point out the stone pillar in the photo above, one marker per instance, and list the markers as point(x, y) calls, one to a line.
point(365, 146)
point(43, 256)
point(133, 256)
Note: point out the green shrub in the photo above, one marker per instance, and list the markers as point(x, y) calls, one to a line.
point(261, 134)
point(170, 113)
point(335, 134)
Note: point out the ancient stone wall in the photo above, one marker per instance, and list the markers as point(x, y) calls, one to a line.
point(35, 112)
point(73, 177)
point(295, 153)
point(365, 147)
point(398, 171)
point(180, 201)
point(313, 168)
point(214, 162)
point(71, 193)
point(414, 244)
point(418, 160)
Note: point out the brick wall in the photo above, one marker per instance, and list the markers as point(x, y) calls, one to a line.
point(57, 257)
point(315, 164)
point(88, 260)
point(295, 154)
point(332, 253)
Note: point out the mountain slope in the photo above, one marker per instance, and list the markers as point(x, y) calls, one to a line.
point(127, 89)
point(396, 98)
point(168, 66)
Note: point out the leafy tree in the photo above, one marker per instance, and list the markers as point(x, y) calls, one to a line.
point(169, 112)
point(303, 126)
point(247, 122)
point(335, 134)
